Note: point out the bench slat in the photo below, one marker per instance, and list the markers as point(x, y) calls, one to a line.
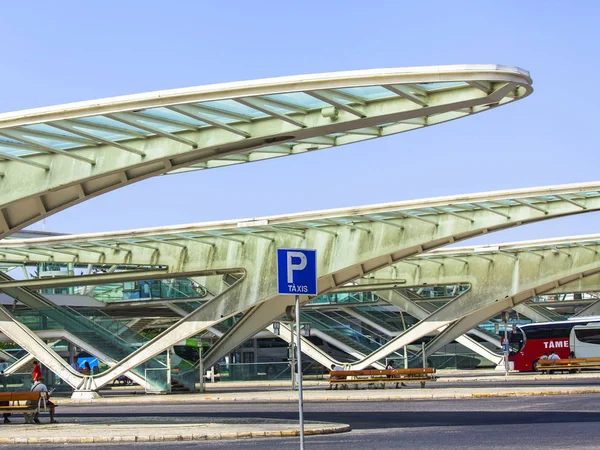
point(17, 408)
point(380, 380)
point(550, 362)
point(357, 373)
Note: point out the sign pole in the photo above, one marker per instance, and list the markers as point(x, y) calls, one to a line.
point(299, 361)
point(297, 275)
point(292, 356)
point(505, 346)
point(506, 349)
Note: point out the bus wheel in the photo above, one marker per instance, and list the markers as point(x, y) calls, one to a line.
point(534, 366)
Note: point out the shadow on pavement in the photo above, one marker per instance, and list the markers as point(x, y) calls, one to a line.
point(357, 419)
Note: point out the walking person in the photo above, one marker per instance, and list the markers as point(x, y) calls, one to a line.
point(36, 373)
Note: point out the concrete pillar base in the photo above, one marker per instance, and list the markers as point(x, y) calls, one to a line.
point(85, 395)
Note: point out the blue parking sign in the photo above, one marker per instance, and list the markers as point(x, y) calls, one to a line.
point(296, 271)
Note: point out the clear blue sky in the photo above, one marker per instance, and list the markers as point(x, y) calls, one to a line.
point(65, 51)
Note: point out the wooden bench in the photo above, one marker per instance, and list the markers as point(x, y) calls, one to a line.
point(380, 377)
point(569, 365)
point(34, 402)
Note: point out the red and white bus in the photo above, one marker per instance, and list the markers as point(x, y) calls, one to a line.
point(532, 340)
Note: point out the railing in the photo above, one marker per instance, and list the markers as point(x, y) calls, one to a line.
point(456, 361)
point(94, 334)
point(21, 382)
point(158, 380)
point(150, 289)
point(345, 298)
point(266, 371)
point(390, 321)
point(440, 291)
point(337, 326)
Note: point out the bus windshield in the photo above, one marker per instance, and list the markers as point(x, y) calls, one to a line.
point(516, 340)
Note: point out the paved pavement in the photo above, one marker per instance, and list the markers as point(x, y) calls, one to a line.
point(448, 386)
point(507, 423)
point(451, 386)
point(69, 433)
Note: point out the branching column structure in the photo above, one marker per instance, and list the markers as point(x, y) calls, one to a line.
point(352, 243)
point(500, 278)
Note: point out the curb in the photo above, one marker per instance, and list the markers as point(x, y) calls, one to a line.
point(539, 394)
point(337, 428)
point(374, 396)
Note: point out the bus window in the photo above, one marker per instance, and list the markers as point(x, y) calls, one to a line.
point(589, 336)
point(539, 332)
point(561, 331)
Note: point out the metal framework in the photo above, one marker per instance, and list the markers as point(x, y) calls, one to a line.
point(513, 207)
point(353, 245)
point(510, 275)
point(53, 158)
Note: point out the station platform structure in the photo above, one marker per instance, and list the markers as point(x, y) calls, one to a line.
point(70, 153)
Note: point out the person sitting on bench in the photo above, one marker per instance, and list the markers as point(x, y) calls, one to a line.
point(336, 368)
point(39, 386)
point(390, 366)
point(5, 415)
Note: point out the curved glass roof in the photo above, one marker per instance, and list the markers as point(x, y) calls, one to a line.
point(290, 115)
point(541, 201)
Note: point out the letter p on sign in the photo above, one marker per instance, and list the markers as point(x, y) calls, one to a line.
point(291, 267)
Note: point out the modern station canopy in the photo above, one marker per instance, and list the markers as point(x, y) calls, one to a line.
point(52, 158)
point(345, 107)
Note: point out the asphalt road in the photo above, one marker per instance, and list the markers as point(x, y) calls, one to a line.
point(491, 423)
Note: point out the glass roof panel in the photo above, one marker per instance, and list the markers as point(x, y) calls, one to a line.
point(101, 120)
point(505, 202)
point(161, 126)
point(277, 108)
point(314, 224)
point(52, 142)
point(234, 107)
point(429, 210)
point(443, 85)
point(547, 198)
point(340, 98)
point(456, 208)
point(164, 113)
point(216, 116)
point(14, 151)
point(589, 194)
point(48, 129)
point(466, 206)
point(382, 216)
point(368, 92)
point(301, 99)
point(10, 140)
